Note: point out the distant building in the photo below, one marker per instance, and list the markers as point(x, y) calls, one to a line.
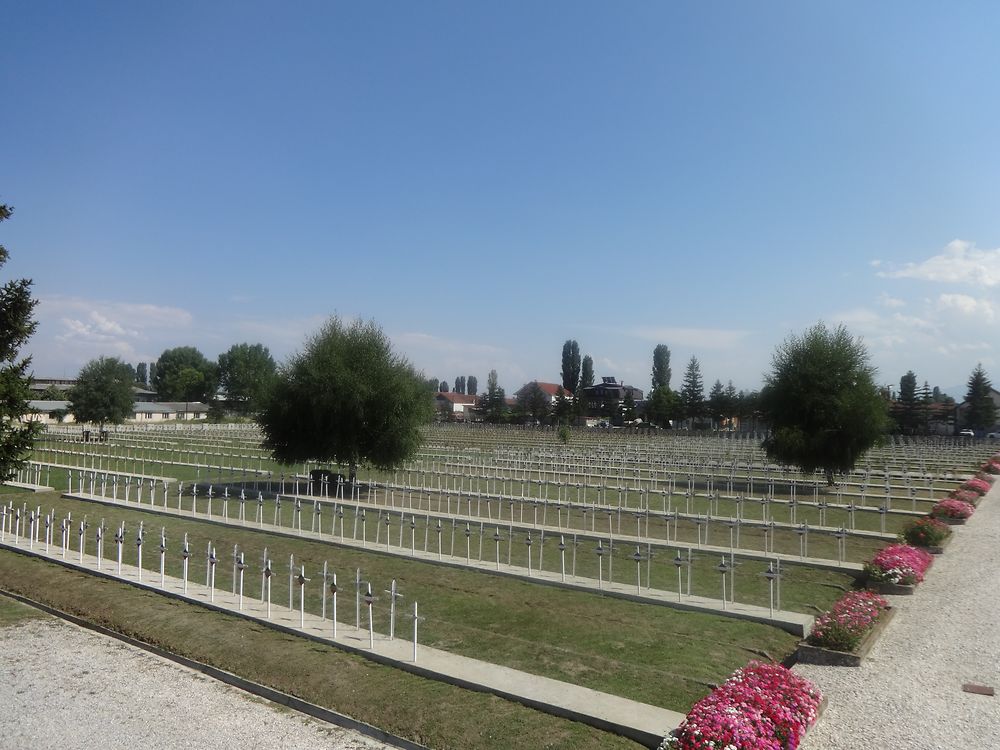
point(455, 407)
point(604, 399)
point(549, 389)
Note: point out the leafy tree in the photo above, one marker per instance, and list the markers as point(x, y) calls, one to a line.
point(982, 411)
point(183, 374)
point(471, 385)
point(661, 367)
point(717, 407)
point(141, 374)
point(493, 403)
point(533, 402)
point(571, 366)
point(246, 372)
point(443, 386)
point(587, 372)
point(103, 392)
point(346, 398)
point(432, 384)
point(460, 384)
point(562, 409)
point(693, 391)
point(663, 406)
point(16, 327)
point(151, 382)
point(822, 401)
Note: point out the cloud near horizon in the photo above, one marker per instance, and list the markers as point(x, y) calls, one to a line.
point(961, 262)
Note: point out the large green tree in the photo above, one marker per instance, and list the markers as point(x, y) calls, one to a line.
point(981, 413)
point(661, 367)
point(822, 402)
point(663, 406)
point(533, 402)
point(184, 374)
point(16, 327)
point(571, 366)
point(103, 392)
point(586, 372)
point(906, 409)
point(693, 391)
point(493, 403)
point(471, 385)
point(246, 373)
point(346, 398)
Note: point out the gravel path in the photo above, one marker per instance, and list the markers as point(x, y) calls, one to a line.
point(908, 692)
point(65, 687)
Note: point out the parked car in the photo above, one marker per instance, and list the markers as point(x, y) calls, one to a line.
point(966, 433)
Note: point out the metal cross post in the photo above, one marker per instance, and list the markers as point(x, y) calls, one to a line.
point(99, 538)
point(416, 618)
point(724, 569)
point(369, 600)
point(600, 564)
point(266, 584)
point(241, 566)
point(138, 548)
point(212, 560)
point(302, 581)
point(82, 534)
point(393, 596)
point(163, 552)
point(771, 575)
point(528, 543)
point(497, 539)
point(638, 558)
point(333, 595)
point(562, 556)
point(679, 562)
point(185, 556)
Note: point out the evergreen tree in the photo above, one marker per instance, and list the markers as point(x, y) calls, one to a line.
point(981, 413)
point(628, 407)
point(151, 381)
point(587, 372)
point(562, 409)
point(460, 384)
point(924, 402)
point(471, 385)
point(443, 386)
point(571, 366)
point(907, 408)
point(141, 374)
point(693, 391)
point(717, 403)
point(493, 403)
point(661, 367)
point(16, 327)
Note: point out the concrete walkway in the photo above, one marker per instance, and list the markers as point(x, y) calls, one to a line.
point(908, 692)
point(643, 723)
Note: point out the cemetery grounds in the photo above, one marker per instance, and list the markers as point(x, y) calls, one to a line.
point(568, 561)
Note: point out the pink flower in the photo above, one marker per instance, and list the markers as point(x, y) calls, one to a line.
point(899, 563)
point(953, 508)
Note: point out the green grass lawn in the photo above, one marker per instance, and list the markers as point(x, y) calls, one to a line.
point(13, 612)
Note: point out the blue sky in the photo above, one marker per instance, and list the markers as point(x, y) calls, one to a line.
point(488, 180)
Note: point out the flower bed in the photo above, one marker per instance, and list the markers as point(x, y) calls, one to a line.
point(992, 466)
point(896, 566)
point(977, 485)
point(928, 533)
point(844, 635)
point(762, 706)
point(966, 496)
point(953, 511)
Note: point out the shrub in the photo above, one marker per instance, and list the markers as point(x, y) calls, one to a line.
point(898, 563)
point(992, 466)
point(925, 532)
point(952, 508)
point(848, 620)
point(762, 706)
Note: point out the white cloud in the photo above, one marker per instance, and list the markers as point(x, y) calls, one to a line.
point(891, 302)
point(966, 305)
point(960, 263)
point(696, 338)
